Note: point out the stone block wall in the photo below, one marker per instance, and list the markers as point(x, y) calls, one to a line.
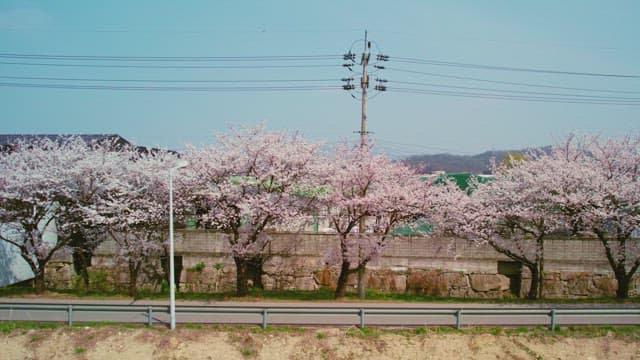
point(432, 266)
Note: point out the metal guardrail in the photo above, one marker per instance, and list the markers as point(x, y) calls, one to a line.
point(362, 313)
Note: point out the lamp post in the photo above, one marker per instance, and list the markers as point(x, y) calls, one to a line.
point(172, 276)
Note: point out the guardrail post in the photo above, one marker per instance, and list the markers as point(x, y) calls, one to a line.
point(149, 316)
point(458, 319)
point(264, 318)
point(553, 319)
point(361, 318)
point(69, 315)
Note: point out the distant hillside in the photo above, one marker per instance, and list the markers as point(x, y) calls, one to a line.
point(475, 164)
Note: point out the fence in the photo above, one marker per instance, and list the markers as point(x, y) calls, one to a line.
point(340, 316)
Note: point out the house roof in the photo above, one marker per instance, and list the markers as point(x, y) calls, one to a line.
point(8, 141)
point(12, 139)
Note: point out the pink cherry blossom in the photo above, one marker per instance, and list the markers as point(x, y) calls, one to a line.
point(251, 181)
point(369, 189)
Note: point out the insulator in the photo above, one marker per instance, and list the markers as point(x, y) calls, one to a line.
point(381, 88)
point(349, 56)
point(347, 79)
point(382, 80)
point(348, 87)
point(382, 57)
point(378, 67)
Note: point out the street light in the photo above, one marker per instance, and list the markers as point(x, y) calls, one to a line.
point(172, 276)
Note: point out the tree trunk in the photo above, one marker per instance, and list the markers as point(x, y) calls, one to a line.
point(81, 263)
point(618, 264)
point(362, 281)
point(82, 254)
point(38, 282)
point(242, 276)
point(535, 283)
point(341, 287)
point(255, 272)
point(133, 278)
point(540, 283)
point(622, 292)
point(540, 266)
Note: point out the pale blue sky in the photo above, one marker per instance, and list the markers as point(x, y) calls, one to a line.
point(574, 36)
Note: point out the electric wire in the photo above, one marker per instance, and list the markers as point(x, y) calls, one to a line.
point(411, 148)
point(515, 97)
point(511, 82)
point(170, 88)
point(164, 80)
point(21, 63)
point(507, 68)
point(517, 91)
point(167, 58)
point(476, 92)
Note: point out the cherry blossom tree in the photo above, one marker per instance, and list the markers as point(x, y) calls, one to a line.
point(51, 187)
point(362, 185)
point(136, 212)
point(250, 182)
point(605, 198)
point(581, 185)
point(514, 214)
point(592, 184)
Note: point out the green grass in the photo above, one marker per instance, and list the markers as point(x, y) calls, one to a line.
point(279, 329)
point(374, 295)
point(367, 332)
point(230, 328)
point(323, 294)
point(78, 324)
point(195, 326)
point(420, 331)
point(9, 326)
point(16, 290)
point(246, 352)
point(627, 332)
point(597, 331)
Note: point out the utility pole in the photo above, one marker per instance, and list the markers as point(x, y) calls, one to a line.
point(364, 85)
point(365, 82)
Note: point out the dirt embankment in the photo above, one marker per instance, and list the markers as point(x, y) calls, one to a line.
point(325, 343)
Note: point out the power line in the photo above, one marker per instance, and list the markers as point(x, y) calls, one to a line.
point(169, 66)
point(507, 68)
point(546, 99)
point(407, 147)
point(507, 91)
point(511, 82)
point(170, 88)
point(164, 80)
point(167, 58)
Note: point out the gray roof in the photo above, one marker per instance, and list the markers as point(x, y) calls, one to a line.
point(12, 139)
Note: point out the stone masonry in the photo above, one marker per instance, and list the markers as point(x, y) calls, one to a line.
point(432, 266)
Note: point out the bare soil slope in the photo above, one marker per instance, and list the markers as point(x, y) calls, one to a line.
point(325, 343)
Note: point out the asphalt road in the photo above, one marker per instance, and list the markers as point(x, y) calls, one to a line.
point(315, 313)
